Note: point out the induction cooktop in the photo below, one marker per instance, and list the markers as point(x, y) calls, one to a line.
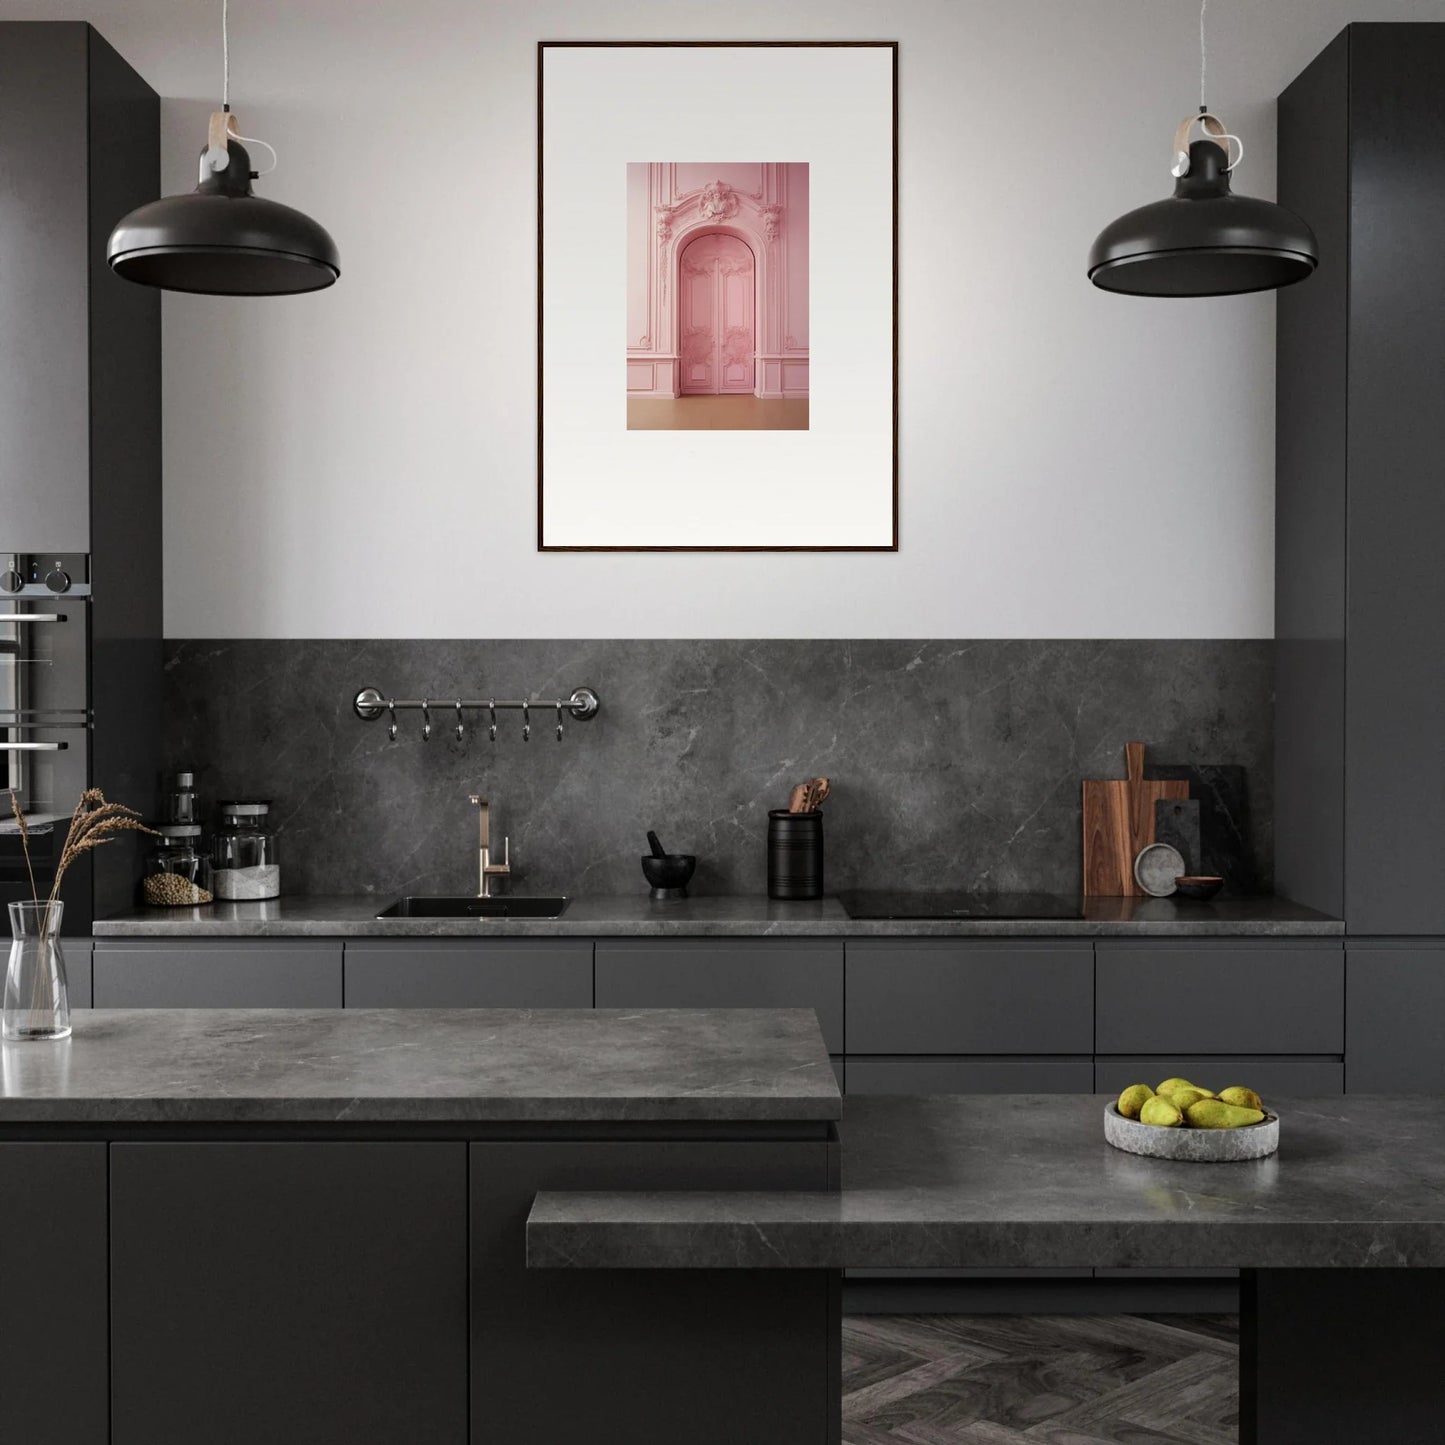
point(865, 904)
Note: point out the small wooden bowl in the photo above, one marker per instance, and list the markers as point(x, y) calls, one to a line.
point(1202, 886)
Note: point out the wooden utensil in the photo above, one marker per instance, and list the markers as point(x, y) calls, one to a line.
point(798, 799)
point(1119, 822)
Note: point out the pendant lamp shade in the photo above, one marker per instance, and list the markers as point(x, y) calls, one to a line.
point(1203, 240)
point(224, 240)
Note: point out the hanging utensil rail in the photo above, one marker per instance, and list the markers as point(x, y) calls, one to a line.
point(370, 703)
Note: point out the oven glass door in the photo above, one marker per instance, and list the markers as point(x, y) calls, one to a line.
point(44, 733)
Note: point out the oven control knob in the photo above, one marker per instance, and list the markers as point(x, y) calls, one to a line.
point(58, 580)
point(11, 581)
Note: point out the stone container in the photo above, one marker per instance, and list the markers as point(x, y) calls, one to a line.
point(1196, 1146)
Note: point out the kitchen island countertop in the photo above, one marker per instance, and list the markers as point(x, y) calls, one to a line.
point(1027, 1180)
point(422, 1066)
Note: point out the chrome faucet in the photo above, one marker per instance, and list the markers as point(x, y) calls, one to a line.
point(487, 870)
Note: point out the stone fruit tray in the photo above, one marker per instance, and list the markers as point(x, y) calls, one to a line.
point(1198, 1146)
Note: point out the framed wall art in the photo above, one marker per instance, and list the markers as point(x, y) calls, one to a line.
point(717, 296)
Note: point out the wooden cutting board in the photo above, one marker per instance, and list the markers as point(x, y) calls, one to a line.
point(1118, 822)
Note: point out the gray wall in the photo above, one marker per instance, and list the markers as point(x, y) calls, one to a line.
point(954, 764)
point(372, 471)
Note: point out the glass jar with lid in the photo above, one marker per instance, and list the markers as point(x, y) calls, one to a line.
point(178, 798)
point(244, 862)
point(178, 870)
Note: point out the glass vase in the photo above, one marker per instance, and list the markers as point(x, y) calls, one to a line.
point(37, 1001)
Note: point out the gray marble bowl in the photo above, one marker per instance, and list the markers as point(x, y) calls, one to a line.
point(1195, 1146)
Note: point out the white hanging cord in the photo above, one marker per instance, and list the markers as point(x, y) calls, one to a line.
point(1203, 55)
point(251, 140)
point(216, 158)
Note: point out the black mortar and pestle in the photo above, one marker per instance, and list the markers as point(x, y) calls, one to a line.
point(667, 872)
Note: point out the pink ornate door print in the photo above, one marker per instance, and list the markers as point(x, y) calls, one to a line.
point(715, 284)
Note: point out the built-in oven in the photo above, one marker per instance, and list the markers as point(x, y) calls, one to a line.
point(45, 720)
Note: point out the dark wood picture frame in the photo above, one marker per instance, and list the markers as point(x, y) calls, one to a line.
point(542, 47)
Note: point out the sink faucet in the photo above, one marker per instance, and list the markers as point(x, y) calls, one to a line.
point(487, 870)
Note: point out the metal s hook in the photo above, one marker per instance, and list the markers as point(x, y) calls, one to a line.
point(426, 719)
point(559, 722)
point(461, 725)
point(526, 722)
point(492, 729)
point(391, 708)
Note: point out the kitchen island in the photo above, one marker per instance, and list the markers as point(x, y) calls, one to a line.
point(1341, 1235)
point(309, 1226)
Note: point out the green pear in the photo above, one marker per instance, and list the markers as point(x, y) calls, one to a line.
point(1169, 1086)
point(1133, 1099)
point(1161, 1112)
point(1216, 1114)
point(1244, 1098)
point(1184, 1097)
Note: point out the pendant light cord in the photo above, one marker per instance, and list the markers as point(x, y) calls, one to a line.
point(1203, 55)
point(226, 53)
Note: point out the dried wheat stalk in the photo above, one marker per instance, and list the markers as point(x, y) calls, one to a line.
point(93, 823)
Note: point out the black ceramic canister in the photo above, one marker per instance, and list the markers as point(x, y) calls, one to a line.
point(795, 854)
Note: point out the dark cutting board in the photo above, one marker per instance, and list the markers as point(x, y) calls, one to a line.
point(1176, 822)
point(1225, 839)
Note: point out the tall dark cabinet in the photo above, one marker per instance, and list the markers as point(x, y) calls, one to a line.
point(80, 447)
point(1360, 536)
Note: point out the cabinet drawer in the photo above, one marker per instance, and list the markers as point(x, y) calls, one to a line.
point(200, 973)
point(947, 997)
point(970, 1076)
point(1273, 1078)
point(1237, 998)
point(518, 973)
point(735, 974)
point(1396, 1034)
point(77, 970)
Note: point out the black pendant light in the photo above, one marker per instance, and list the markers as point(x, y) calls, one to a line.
point(1203, 240)
point(222, 239)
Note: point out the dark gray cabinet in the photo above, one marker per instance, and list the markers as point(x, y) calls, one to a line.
point(486, 973)
point(722, 1356)
point(726, 973)
point(1360, 695)
point(302, 1294)
point(81, 399)
point(970, 1076)
point(1274, 1077)
point(53, 1264)
point(1154, 996)
point(80, 418)
point(206, 973)
point(952, 996)
point(77, 953)
point(1396, 1013)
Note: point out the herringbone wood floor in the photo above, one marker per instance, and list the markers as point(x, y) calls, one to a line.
point(1040, 1380)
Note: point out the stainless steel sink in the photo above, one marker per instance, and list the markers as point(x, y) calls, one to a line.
point(464, 907)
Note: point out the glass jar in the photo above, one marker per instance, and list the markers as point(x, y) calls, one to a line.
point(244, 864)
point(178, 871)
point(178, 798)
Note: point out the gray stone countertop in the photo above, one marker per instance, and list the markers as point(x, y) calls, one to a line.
point(637, 916)
point(1027, 1180)
point(423, 1066)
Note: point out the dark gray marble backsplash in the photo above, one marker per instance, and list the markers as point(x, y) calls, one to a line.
point(954, 764)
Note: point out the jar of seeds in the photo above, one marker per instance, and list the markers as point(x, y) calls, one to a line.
point(178, 871)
